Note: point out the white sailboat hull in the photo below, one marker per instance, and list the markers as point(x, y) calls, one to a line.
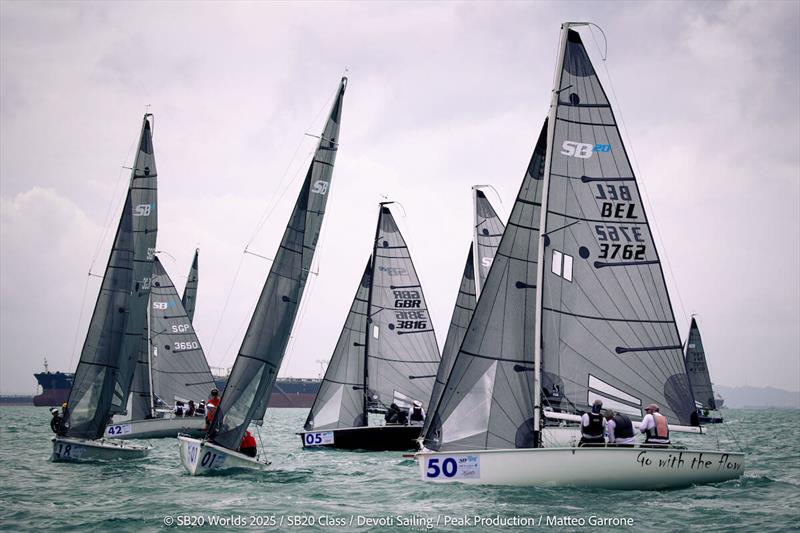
point(201, 457)
point(601, 467)
point(157, 428)
point(72, 449)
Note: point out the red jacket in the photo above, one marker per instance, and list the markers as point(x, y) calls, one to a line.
point(248, 441)
point(211, 408)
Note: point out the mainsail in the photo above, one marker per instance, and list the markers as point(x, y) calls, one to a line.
point(402, 354)
point(339, 401)
point(488, 231)
point(108, 358)
point(189, 299)
point(698, 369)
point(255, 369)
point(488, 399)
point(607, 327)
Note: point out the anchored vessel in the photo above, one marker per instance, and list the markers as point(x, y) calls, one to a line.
point(171, 367)
point(704, 398)
point(108, 358)
point(253, 375)
point(575, 308)
point(386, 354)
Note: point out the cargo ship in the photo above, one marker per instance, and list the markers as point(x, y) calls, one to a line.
point(288, 392)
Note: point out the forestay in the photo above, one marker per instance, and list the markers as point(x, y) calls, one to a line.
point(698, 369)
point(402, 354)
point(488, 400)
point(108, 358)
point(608, 330)
point(253, 375)
point(189, 299)
point(340, 399)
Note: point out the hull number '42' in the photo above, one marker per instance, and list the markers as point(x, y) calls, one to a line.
point(583, 150)
point(318, 439)
point(453, 467)
point(118, 429)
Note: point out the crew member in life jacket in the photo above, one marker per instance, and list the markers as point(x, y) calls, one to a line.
point(248, 445)
point(619, 429)
point(654, 425)
point(416, 415)
point(57, 422)
point(593, 426)
point(190, 409)
point(211, 406)
point(395, 415)
point(179, 408)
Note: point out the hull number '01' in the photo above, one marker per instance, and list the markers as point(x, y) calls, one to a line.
point(456, 467)
point(318, 439)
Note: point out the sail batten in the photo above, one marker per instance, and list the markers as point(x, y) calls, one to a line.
point(253, 375)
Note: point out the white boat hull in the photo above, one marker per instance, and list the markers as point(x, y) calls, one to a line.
point(601, 467)
point(72, 449)
point(157, 428)
point(201, 457)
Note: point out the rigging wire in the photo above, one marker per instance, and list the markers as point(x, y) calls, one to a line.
point(646, 196)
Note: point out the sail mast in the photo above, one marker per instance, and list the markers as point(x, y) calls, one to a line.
point(537, 341)
point(150, 358)
point(475, 253)
point(370, 325)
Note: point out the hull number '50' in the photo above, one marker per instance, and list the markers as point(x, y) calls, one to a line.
point(447, 467)
point(456, 467)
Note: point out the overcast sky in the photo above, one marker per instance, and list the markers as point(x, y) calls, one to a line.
point(441, 96)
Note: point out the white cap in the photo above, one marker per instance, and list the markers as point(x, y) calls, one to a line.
point(417, 403)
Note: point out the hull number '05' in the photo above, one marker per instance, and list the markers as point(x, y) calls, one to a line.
point(318, 439)
point(455, 467)
point(582, 150)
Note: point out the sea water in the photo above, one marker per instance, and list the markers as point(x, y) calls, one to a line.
point(332, 490)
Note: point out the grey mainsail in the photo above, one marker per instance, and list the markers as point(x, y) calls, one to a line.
point(339, 401)
point(189, 298)
point(253, 375)
point(402, 354)
point(488, 399)
point(110, 351)
point(697, 368)
point(488, 231)
point(607, 327)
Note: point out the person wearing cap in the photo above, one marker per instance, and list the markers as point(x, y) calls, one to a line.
point(211, 406)
point(654, 425)
point(619, 429)
point(190, 409)
point(248, 445)
point(179, 408)
point(56, 423)
point(201, 408)
point(416, 415)
point(593, 426)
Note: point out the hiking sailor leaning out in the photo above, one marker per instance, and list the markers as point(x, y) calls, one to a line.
point(593, 426)
point(654, 425)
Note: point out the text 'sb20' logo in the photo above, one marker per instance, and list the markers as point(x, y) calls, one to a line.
point(320, 187)
point(582, 150)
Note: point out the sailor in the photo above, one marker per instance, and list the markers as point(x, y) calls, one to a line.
point(179, 410)
point(619, 429)
point(593, 425)
point(201, 408)
point(416, 415)
point(654, 425)
point(56, 423)
point(395, 415)
point(191, 410)
point(248, 445)
point(211, 406)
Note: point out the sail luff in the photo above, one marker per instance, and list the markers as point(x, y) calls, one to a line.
point(537, 343)
point(370, 326)
point(253, 375)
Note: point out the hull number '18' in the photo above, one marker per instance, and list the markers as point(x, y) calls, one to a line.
point(583, 150)
point(119, 429)
point(318, 439)
point(453, 467)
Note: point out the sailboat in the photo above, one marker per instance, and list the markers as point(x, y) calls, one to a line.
point(487, 231)
point(702, 388)
point(109, 355)
point(256, 366)
point(172, 367)
point(575, 309)
point(386, 354)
